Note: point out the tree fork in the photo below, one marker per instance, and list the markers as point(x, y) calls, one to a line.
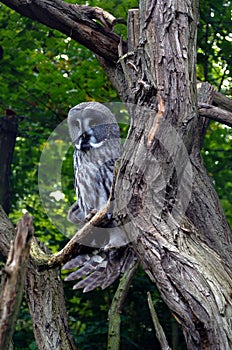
point(8, 133)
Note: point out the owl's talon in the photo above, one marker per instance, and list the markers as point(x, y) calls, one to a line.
point(109, 216)
point(108, 247)
point(91, 214)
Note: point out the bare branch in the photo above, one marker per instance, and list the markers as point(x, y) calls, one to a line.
point(45, 261)
point(222, 101)
point(13, 280)
point(215, 113)
point(208, 95)
point(158, 328)
point(76, 21)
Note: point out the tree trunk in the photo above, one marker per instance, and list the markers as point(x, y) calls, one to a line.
point(8, 133)
point(171, 211)
point(45, 296)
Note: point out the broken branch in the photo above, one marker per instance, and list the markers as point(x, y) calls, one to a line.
point(44, 260)
point(13, 280)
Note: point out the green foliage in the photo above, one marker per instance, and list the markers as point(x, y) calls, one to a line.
point(215, 44)
point(43, 74)
point(217, 155)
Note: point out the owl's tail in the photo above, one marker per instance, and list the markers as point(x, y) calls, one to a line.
point(100, 268)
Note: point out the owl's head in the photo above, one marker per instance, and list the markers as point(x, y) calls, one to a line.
point(91, 124)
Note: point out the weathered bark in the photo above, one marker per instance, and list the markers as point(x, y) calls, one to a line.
point(8, 133)
point(45, 296)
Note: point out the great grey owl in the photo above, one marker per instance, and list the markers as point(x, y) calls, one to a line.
point(96, 139)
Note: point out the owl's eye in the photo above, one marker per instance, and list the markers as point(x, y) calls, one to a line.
point(92, 123)
point(77, 123)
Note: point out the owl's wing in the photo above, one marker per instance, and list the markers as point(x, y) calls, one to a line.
point(75, 214)
point(99, 269)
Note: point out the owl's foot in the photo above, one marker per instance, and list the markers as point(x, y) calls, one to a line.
point(91, 214)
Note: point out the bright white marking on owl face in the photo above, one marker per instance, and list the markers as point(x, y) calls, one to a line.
point(96, 145)
point(92, 144)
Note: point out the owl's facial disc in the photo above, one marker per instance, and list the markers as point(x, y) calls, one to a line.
point(90, 128)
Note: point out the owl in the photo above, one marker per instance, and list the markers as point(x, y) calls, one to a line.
point(96, 138)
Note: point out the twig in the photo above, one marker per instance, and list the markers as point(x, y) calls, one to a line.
point(116, 307)
point(158, 328)
point(13, 280)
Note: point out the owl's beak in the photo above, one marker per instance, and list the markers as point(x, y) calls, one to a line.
point(84, 142)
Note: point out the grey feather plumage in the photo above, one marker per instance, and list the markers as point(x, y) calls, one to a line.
point(96, 139)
